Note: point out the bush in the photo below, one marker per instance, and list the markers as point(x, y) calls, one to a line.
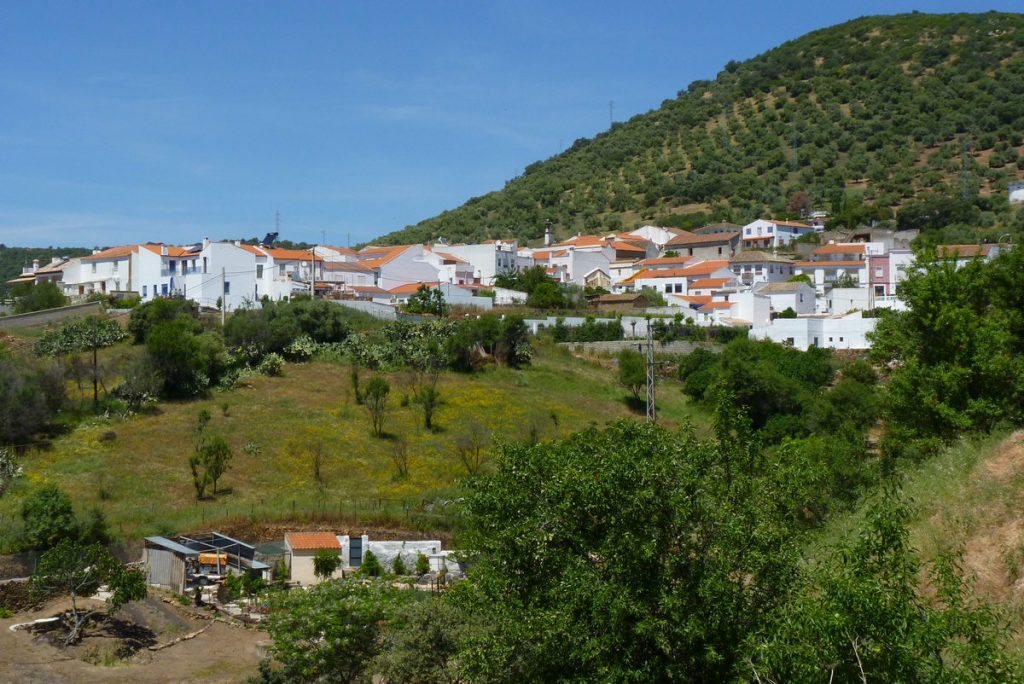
point(272, 365)
point(186, 363)
point(397, 566)
point(30, 397)
point(278, 327)
point(48, 517)
point(422, 564)
point(45, 295)
point(371, 566)
point(147, 316)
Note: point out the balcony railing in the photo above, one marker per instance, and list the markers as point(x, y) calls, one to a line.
point(166, 272)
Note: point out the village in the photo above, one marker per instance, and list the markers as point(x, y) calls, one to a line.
point(790, 282)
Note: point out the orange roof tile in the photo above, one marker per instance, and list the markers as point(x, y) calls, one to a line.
point(620, 246)
point(710, 282)
point(694, 239)
point(695, 299)
point(311, 541)
point(113, 253)
point(829, 264)
point(716, 305)
point(171, 251)
point(705, 267)
point(582, 241)
point(665, 261)
point(410, 288)
point(841, 249)
point(291, 254)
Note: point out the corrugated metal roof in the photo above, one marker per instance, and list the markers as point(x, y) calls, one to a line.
point(174, 546)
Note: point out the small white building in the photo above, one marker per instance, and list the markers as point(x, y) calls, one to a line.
point(798, 296)
point(836, 332)
point(771, 234)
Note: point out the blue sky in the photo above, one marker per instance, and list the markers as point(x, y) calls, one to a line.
point(128, 121)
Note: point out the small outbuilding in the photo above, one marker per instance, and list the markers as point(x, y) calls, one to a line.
point(301, 547)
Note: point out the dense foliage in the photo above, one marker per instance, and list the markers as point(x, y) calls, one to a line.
point(31, 394)
point(13, 259)
point(956, 356)
point(858, 119)
point(45, 295)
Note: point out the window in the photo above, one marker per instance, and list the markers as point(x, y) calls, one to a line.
point(163, 289)
point(259, 271)
point(719, 250)
point(94, 267)
point(679, 287)
point(668, 288)
point(801, 297)
point(281, 270)
point(748, 231)
point(227, 287)
point(840, 339)
point(204, 265)
point(830, 339)
point(758, 269)
point(143, 291)
point(114, 267)
point(172, 266)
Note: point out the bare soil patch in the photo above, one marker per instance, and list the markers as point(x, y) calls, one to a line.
point(120, 648)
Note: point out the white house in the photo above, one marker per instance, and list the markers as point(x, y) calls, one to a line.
point(771, 234)
point(798, 296)
point(488, 259)
point(753, 267)
point(837, 332)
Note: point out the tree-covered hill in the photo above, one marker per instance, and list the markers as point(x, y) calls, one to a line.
point(12, 259)
point(865, 119)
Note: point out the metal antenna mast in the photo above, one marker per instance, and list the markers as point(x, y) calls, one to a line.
point(652, 413)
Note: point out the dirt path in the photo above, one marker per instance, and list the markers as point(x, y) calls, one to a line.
point(222, 653)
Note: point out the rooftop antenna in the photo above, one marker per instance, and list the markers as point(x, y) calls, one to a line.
point(277, 222)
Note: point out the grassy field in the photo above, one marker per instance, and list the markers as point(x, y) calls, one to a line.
point(136, 470)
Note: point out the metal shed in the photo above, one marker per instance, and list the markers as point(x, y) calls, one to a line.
point(166, 562)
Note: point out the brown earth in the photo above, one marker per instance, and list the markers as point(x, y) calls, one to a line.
point(117, 648)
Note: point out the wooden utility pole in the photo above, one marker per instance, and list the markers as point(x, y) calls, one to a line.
point(652, 372)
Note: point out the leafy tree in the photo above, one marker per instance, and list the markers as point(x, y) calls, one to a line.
point(89, 334)
point(427, 300)
point(371, 566)
point(788, 312)
point(397, 566)
point(78, 570)
point(49, 518)
point(187, 363)
point(859, 616)
point(471, 446)
point(325, 563)
point(429, 398)
point(632, 372)
point(422, 564)
point(216, 456)
point(148, 315)
point(653, 297)
point(332, 631)
point(38, 297)
point(422, 644)
point(629, 554)
point(547, 295)
point(375, 399)
point(30, 397)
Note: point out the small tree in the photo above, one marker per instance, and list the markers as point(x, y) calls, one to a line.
point(325, 563)
point(89, 334)
point(400, 457)
point(217, 456)
point(471, 447)
point(376, 401)
point(79, 570)
point(357, 393)
point(427, 300)
point(397, 566)
point(632, 372)
point(429, 398)
point(49, 518)
point(422, 564)
point(371, 566)
point(9, 470)
point(196, 459)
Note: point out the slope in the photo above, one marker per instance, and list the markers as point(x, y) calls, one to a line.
point(860, 118)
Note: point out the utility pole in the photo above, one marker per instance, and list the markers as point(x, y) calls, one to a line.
point(223, 295)
point(652, 413)
point(611, 113)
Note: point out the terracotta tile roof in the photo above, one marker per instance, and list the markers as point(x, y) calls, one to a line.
point(582, 241)
point(841, 249)
point(710, 282)
point(353, 266)
point(694, 299)
point(311, 541)
point(410, 288)
point(291, 254)
point(113, 253)
point(341, 250)
point(705, 267)
point(716, 305)
point(666, 261)
point(829, 264)
point(171, 250)
point(693, 239)
point(755, 257)
point(962, 251)
point(253, 249)
point(795, 224)
point(368, 289)
point(620, 246)
point(451, 257)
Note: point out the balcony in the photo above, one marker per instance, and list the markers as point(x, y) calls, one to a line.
point(168, 272)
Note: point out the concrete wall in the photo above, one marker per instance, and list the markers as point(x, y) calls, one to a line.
point(615, 346)
point(385, 551)
point(49, 316)
point(302, 568)
point(382, 311)
point(838, 333)
point(456, 296)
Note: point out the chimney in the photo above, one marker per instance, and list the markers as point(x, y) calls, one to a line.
point(35, 265)
point(163, 250)
point(238, 243)
point(206, 242)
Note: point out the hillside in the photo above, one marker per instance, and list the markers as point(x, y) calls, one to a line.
point(863, 119)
